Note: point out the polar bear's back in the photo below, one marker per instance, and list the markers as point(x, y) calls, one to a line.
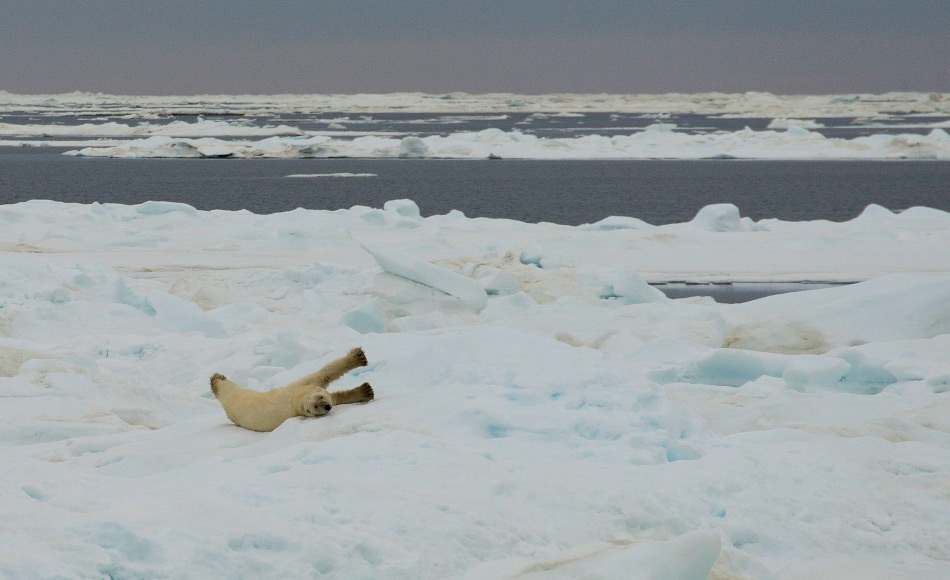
point(251, 409)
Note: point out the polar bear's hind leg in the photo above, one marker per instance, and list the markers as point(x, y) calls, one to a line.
point(360, 394)
point(218, 383)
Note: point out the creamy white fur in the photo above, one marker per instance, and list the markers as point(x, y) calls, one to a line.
point(305, 397)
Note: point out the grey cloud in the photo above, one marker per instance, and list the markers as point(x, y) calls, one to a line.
point(518, 45)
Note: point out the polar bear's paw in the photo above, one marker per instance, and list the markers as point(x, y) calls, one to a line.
point(214, 382)
point(360, 394)
point(365, 392)
point(359, 357)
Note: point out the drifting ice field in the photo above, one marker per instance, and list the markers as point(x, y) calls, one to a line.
point(256, 126)
point(542, 412)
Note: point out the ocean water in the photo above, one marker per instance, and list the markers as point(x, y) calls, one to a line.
point(566, 192)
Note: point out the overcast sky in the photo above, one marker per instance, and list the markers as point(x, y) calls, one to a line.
point(525, 46)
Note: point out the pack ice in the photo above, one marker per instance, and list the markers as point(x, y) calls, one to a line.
point(794, 129)
point(657, 141)
point(542, 412)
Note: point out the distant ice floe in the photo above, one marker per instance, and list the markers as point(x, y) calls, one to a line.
point(750, 104)
point(657, 141)
point(793, 132)
point(339, 174)
point(198, 128)
point(784, 123)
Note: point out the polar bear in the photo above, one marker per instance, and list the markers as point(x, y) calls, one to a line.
point(306, 397)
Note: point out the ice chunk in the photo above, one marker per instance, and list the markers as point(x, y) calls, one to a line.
point(688, 557)
point(215, 150)
point(508, 306)
point(469, 291)
point(628, 287)
point(618, 223)
point(535, 253)
point(412, 147)
point(176, 314)
point(238, 317)
point(410, 295)
point(532, 254)
point(338, 174)
point(423, 322)
point(404, 207)
point(891, 307)
point(867, 372)
point(164, 207)
point(733, 367)
point(814, 371)
point(719, 217)
point(786, 123)
point(500, 283)
point(366, 318)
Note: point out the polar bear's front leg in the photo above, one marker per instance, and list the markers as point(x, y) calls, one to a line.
point(360, 394)
point(333, 370)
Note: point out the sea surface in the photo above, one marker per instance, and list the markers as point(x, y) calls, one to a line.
point(568, 192)
point(565, 192)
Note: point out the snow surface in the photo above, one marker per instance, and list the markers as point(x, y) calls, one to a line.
point(657, 141)
point(542, 412)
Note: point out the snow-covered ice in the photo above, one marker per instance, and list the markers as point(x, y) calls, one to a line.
point(198, 128)
point(542, 412)
point(795, 127)
point(339, 174)
point(658, 141)
point(749, 104)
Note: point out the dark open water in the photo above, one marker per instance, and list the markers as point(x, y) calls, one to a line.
point(567, 192)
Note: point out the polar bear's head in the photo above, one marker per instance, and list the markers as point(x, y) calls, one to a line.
point(318, 403)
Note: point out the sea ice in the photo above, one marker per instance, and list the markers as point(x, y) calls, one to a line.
point(427, 274)
point(748, 104)
point(658, 141)
point(341, 174)
point(541, 412)
point(793, 132)
point(200, 128)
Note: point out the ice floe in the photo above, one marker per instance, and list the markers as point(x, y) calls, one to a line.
point(339, 174)
point(542, 412)
point(750, 104)
point(658, 141)
point(795, 127)
point(199, 128)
